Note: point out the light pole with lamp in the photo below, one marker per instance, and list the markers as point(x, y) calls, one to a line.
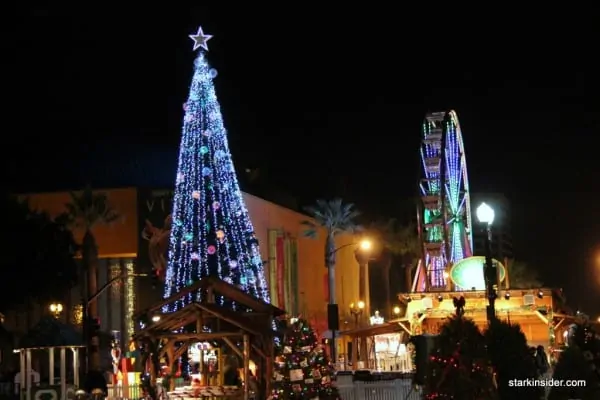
point(332, 307)
point(356, 310)
point(485, 215)
point(363, 255)
point(90, 326)
point(56, 309)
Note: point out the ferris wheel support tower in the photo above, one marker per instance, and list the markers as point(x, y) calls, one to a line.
point(444, 211)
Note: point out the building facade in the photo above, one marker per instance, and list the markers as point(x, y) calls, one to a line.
point(502, 238)
point(294, 264)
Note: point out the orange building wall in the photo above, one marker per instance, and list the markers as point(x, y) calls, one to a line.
point(311, 258)
point(119, 239)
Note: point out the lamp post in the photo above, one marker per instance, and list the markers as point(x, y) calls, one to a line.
point(362, 255)
point(485, 215)
point(356, 310)
point(90, 338)
point(56, 309)
point(332, 307)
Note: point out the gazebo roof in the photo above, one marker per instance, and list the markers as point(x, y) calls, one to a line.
point(203, 311)
point(49, 332)
point(225, 289)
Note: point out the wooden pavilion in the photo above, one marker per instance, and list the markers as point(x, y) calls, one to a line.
point(216, 323)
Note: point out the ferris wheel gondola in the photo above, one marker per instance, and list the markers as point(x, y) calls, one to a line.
point(445, 209)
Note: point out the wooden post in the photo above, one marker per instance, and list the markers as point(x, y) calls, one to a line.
point(51, 364)
point(27, 377)
point(246, 352)
point(171, 356)
point(269, 351)
point(63, 372)
point(76, 366)
point(23, 368)
point(507, 276)
point(354, 353)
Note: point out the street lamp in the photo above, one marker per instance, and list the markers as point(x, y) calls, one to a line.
point(56, 309)
point(332, 307)
point(365, 245)
point(356, 310)
point(485, 215)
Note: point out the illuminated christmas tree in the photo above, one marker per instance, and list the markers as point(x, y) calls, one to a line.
point(302, 370)
point(211, 233)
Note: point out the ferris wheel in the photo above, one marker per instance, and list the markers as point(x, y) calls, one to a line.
point(445, 208)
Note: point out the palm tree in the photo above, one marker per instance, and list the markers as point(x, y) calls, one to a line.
point(335, 217)
point(523, 276)
point(86, 210)
point(397, 241)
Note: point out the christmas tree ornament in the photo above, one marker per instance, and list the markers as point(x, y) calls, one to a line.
point(200, 40)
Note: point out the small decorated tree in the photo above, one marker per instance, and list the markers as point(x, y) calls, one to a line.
point(459, 367)
point(579, 361)
point(302, 369)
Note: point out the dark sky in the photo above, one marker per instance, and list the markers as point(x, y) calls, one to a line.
point(325, 101)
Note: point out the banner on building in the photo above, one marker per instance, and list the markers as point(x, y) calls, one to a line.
point(283, 271)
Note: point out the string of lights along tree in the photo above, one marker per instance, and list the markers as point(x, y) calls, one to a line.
point(211, 233)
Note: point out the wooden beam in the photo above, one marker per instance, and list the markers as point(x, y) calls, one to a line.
point(406, 329)
point(541, 316)
point(259, 351)
point(233, 347)
point(235, 318)
point(234, 293)
point(559, 323)
point(182, 349)
point(198, 336)
point(165, 348)
point(201, 284)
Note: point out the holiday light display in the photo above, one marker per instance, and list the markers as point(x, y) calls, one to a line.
point(445, 217)
point(211, 234)
point(459, 367)
point(302, 370)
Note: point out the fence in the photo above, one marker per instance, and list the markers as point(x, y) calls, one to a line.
point(401, 388)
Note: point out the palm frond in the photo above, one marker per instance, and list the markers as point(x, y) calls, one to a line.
point(335, 216)
point(310, 229)
point(89, 208)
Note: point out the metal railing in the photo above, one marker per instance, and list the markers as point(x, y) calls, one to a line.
point(397, 389)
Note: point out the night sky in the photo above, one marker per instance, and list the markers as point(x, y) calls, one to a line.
point(324, 101)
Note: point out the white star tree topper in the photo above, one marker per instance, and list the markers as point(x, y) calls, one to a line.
point(200, 39)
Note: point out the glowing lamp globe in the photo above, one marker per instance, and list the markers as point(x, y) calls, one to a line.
point(485, 214)
point(365, 245)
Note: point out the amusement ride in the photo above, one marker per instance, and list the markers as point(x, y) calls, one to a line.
point(445, 223)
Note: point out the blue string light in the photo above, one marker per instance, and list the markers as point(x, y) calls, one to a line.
point(212, 234)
